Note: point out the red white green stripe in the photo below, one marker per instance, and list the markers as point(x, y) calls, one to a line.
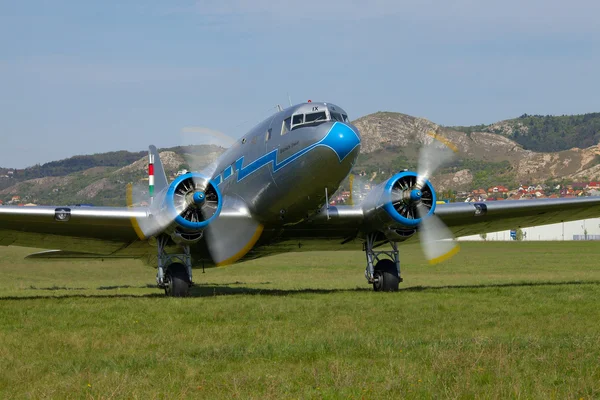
point(151, 176)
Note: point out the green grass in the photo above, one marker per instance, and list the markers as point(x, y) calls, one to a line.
point(500, 320)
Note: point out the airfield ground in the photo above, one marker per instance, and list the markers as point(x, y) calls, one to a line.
point(500, 320)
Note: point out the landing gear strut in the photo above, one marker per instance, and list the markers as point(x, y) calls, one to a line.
point(174, 270)
point(382, 273)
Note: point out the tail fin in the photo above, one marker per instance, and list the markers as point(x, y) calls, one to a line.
point(157, 179)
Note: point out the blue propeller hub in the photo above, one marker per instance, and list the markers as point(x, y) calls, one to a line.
point(184, 203)
point(415, 195)
point(402, 208)
point(199, 198)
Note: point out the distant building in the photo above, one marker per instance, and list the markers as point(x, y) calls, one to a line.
point(573, 230)
point(594, 185)
point(498, 189)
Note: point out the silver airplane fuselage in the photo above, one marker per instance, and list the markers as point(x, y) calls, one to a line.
point(283, 170)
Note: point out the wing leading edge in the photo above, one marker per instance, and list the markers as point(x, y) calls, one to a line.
point(339, 225)
point(473, 218)
point(97, 230)
point(112, 231)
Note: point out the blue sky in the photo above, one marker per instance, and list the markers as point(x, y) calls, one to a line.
point(84, 77)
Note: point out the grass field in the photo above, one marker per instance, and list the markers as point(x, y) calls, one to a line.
point(500, 320)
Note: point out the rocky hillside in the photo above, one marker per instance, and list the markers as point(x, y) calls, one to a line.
point(100, 185)
point(390, 142)
point(546, 133)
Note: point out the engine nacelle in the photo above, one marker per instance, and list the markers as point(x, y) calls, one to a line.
point(191, 202)
point(393, 204)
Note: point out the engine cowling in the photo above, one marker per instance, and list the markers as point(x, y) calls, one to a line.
point(192, 202)
point(394, 203)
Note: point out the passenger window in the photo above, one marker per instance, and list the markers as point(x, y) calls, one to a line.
point(268, 136)
point(297, 119)
point(285, 127)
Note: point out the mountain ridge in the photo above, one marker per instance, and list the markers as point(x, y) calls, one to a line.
point(390, 142)
point(545, 133)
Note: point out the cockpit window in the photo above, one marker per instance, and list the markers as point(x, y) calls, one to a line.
point(286, 127)
point(345, 117)
point(297, 119)
point(315, 117)
point(336, 116)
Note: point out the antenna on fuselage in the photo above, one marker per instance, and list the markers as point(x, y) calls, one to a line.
point(279, 108)
point(290, 99)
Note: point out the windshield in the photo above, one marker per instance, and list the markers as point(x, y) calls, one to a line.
point(297, 119)
point(336, 116)
point(315, 117)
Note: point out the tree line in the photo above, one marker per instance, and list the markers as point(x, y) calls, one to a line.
point(548, 133)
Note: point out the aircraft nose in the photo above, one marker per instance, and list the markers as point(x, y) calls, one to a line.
point(342, 138)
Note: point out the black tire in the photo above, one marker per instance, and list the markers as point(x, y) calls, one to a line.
point(177, 281)
point(386, 276)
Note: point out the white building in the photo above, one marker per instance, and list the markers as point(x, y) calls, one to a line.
point(589, 228)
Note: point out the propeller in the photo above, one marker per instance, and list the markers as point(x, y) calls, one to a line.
point(357, 184)
point(227, 240)
point(432, 156)
point(412, 197)
point(201, 201)
point(437, 240)
point(205, 163)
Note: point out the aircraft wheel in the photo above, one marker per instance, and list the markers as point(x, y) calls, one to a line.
point(386, 276)
point(177, 281)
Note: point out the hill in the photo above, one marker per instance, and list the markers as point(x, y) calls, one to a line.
point(545, 133)
point(390, 142)
point(104, 182)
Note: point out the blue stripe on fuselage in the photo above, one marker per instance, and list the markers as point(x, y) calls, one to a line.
point(228, 172)
point(341, 138)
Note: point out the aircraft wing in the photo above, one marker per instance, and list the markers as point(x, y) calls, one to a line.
point(337, 227)
point(115, 231)
point(472, 218)
point(91, 230)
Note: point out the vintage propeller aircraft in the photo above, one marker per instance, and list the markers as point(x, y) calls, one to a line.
point(269, 193)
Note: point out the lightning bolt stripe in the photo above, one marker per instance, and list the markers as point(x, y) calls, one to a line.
point(341, 139)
